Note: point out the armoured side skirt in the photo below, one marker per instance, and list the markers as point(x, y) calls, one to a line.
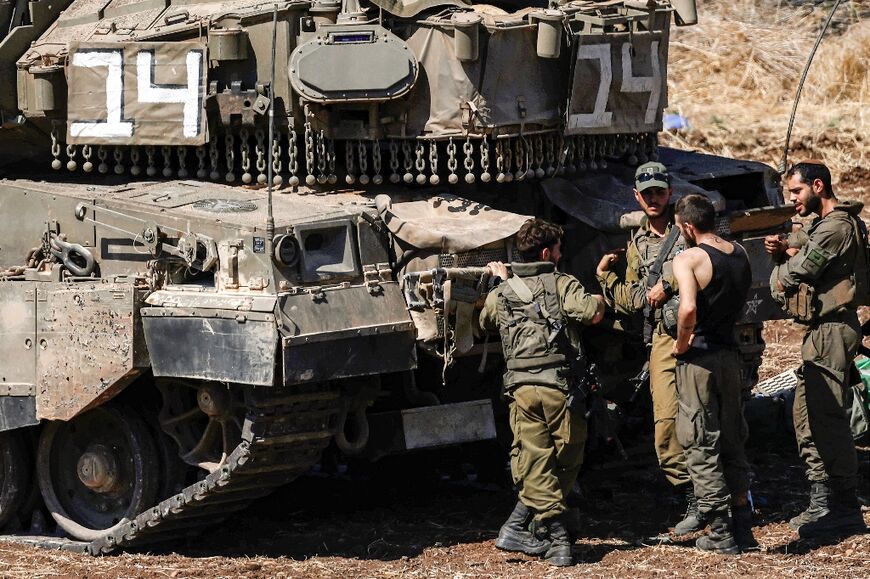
point(217, 345)
point(17, 412)
point(349, 355)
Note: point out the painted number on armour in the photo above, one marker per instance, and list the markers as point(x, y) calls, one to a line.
point(138, 94)
point(630, 104)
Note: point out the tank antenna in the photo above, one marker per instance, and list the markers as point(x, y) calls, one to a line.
point(797, 97)
point(270, 218)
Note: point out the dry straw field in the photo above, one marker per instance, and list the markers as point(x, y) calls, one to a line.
point(734, 76)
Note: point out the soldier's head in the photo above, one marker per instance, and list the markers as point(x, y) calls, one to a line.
point(652, 189)
point(695, 216)
point(539, 240)
point(807, 184)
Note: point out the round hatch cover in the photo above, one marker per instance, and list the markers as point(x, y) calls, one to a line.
point(225, 206)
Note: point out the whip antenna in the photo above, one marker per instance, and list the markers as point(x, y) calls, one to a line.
point(797, 96)
point(270, 218)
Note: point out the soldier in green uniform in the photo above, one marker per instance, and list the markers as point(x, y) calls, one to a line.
point(633, 296)
point(536, 312)
point(817, 284)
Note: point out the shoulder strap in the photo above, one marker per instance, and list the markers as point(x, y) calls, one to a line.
point(655, 271)
point(521, 289)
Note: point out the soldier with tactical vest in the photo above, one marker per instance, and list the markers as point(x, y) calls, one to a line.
point(649, 283)
point(821, 279)
point(537, 312)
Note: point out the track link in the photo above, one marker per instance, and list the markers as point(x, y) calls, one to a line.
point(283, 437)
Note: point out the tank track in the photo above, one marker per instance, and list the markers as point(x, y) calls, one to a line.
point(284, 435)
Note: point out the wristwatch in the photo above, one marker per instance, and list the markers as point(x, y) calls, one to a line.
point(669, 290)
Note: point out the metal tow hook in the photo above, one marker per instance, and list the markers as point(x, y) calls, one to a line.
point(76, 258)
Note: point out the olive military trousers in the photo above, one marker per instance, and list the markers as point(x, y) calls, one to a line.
point(547, 449)
point(711, 427)
point(821, 421)
point(663, 387)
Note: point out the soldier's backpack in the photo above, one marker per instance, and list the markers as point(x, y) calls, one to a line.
point(862, 263)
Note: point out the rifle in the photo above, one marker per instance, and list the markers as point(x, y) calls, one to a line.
point(653, 277)
point(585, 396)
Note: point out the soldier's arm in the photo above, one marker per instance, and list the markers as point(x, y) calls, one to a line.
point(577, 303)
point(489, 314)
point(626, 297)
point(823, 246)
point(684, 272)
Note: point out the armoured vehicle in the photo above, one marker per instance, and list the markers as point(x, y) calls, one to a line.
point(235, 234)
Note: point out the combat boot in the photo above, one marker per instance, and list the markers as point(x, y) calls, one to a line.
point(573, 524)
point(555, 532)
point(692, 520)
point(843, 518)
point(742, 518)
point(818, 508)
point(721, 537)
point(515, 535)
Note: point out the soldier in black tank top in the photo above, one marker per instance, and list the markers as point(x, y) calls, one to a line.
point(721, 302)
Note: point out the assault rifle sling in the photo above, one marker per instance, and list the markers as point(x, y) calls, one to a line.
point(653, 277)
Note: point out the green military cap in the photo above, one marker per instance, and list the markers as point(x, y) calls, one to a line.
point(651, 174)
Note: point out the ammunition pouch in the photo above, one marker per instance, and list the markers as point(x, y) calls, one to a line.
point(809, 305)
point(800, 303)
point(670, 313)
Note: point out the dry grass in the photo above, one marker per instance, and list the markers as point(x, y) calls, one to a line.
point(734, 76)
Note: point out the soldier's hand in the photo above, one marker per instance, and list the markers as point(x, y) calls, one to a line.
point(681, 349)
point(776, 245)
point(606, 262)
point(656, 296)
point(499, 269)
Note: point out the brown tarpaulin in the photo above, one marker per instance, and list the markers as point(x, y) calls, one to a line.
point(447, 223)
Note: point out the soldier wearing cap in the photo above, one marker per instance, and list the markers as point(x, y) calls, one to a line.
point(819, 284)
point(633, 296)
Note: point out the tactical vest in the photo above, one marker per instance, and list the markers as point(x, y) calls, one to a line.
point(845, 282)
point(533, 329)
point(648, 250)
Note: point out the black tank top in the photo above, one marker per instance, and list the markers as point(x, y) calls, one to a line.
point(722, 301)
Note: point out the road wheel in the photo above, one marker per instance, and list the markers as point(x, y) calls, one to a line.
point(205, 420)
point(97, 470)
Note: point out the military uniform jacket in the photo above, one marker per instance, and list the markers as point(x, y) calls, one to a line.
point(575, 304)
point(826, 262)
point(629, 297)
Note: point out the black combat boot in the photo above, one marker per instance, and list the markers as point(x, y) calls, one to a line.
point(555, 532)
point(692, 520)
point(721, 537)
point(820, 493)
point(573, 524)
point(515, 535)
point(843, 518)
point(741, 516)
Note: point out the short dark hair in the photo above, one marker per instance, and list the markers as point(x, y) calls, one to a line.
point(697, 211)
point(535, 236)
point(808, 172)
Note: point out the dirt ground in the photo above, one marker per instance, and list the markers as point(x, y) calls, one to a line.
point(421, 522)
